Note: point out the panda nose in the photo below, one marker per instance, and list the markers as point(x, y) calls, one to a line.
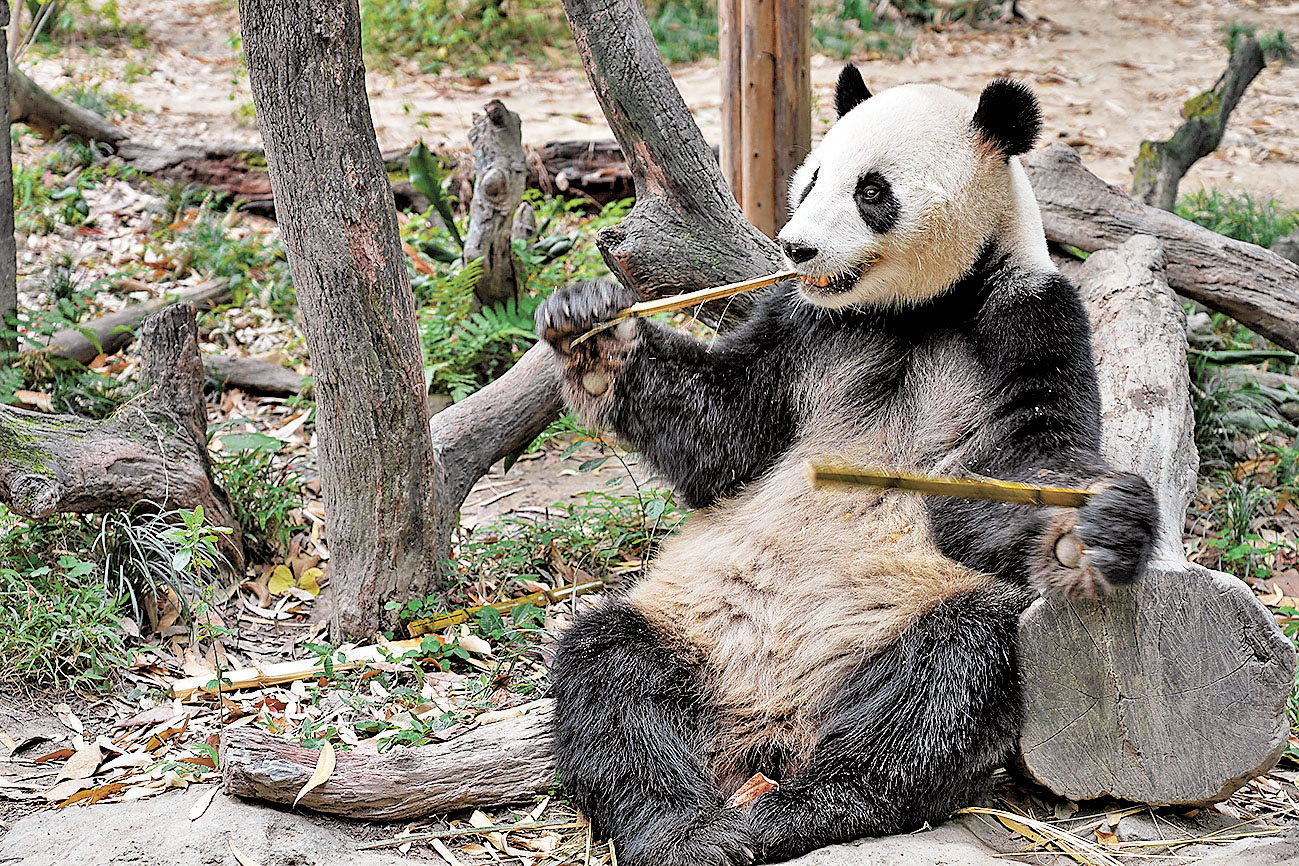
point(798, 253)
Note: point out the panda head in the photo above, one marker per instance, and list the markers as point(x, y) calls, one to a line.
point(907, 189)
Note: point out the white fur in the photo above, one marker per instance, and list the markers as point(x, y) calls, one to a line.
point(955, 194)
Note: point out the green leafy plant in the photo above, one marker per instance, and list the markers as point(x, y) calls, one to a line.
point(1239, 215)
point(264, 491)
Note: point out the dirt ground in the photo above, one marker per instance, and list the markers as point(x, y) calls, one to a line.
point(1110, 73)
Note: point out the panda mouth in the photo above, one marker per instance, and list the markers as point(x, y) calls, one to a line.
point(833, 284)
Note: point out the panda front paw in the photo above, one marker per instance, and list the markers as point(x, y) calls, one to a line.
point(592, 364)
point(1105, 542)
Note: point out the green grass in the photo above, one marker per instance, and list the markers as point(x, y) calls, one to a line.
point(1239, 215)
point(264, 491)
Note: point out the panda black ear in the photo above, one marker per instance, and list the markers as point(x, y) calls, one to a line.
point(1008, 117)
point(850, 91)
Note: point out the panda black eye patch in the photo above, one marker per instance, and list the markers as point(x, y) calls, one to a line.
point(878, 206)
point(807, 189)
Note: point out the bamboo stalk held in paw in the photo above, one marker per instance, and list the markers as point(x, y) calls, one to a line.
point(989, 489)
point(689, 299)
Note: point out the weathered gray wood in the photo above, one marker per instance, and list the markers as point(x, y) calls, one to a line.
point(152, 449)
point(505, 762)
point(1160, 165)
point(500, 170)
point(1254, 286)
point(115, 331)
point(685, 232)
point(1172, 690)
point(339, 227)
point(252, 376)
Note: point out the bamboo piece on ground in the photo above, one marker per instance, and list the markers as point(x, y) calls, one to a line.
point(287, 672)
point(541, 598)
point(989, 489)
point(689, 299)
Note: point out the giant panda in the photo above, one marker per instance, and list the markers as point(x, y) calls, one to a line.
point(855, 646)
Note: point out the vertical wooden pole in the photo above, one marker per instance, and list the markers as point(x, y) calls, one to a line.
point(793, 105)
point(730, 58)
point(8, 249)
point(757, 130)
point(765, 48)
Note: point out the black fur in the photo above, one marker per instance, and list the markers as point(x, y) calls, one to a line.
point(925, 720)
point(1008, 117)
point(816, 172)
point(628, 737)
point(850, 90)
point(878, 206)
point(912, 737)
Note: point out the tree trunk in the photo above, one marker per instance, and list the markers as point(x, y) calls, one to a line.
point(153, 449)
point(1172, 690)
point(8, 248)
point(685, 232)
point(499, 171)
point(339, 229)
point(1255, 287)
point(1161, 165)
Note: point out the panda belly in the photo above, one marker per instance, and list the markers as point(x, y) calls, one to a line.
point(780, 593)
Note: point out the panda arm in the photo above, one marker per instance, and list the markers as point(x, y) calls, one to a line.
point(709, 417)
point(1043, 427)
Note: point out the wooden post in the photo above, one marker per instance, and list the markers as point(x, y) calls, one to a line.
point(765, 46)
point(8, 250)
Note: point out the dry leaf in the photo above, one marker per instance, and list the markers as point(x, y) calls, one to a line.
point(281, 579)
point(35, 399)
point(480, 819)
point(242, 858)
point(444, 852)
point(82, 765)
point(204, 800)
point(751, 790)
point(311, 580)
point(1106, 836)
point(324, 769)
point(90, 796)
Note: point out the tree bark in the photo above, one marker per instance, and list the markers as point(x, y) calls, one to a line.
point(1255, 287)
point(339, 228)
point(499, 170)
point(8, 247)
point(153, 449)
point(1172, 690)
point(504, 762)
point(51, 117)
point(1161, 165)
point(685, 232)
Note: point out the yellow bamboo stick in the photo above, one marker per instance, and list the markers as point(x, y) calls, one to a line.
point(541, 598)
point(989, 489)
point(689, 299)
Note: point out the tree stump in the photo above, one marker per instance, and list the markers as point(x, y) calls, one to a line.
point(500, 169)
point(1172, 690)
point(153, 449)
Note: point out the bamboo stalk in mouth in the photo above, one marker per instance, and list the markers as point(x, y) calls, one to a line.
point(688, 299)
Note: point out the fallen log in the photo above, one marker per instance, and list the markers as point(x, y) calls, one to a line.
point(113, 332)
point(153, 449)
point(1172, 690)
point(504, 762)
point(252, 376)
point(1256, 287)
point(53, 118)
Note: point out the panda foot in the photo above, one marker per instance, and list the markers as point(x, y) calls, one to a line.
point(722, 841)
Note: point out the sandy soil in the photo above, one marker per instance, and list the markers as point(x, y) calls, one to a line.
point(1109, 72)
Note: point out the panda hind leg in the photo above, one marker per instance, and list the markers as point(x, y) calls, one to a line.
point(629, 741)
point(914, 734)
